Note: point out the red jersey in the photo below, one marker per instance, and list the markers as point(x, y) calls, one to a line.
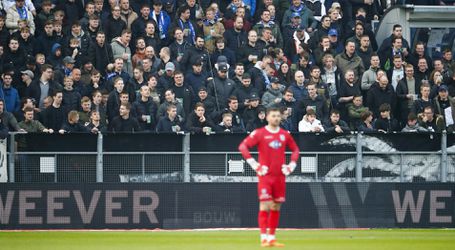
point(271, 147)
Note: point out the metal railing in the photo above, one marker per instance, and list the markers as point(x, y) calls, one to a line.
point(356, 165)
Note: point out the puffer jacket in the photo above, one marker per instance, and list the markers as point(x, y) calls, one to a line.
point(268, 99)
point(12, 16)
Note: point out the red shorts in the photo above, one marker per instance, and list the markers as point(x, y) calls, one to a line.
point(272, 188)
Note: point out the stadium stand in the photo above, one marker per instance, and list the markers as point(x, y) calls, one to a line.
point(212, 58)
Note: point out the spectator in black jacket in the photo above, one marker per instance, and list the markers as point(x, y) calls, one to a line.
point(251, 52)
point(72, 125)
point(335, 124)
point(226, 126)
point(419, 53)
point(138, 26)
point(100, 53)
point(3, 130)
point(198, 122)
point(179, 46)
point(385, 122)
point(124, 122)
point(182, 91)
point(54, 116)
point(431, 121)
point(313, 101)
point(71, 98)
point(8, 119)
point(41, 88)
point(233, 108)
point(46, 40)
point(145, 109)
point(322, 31)
point(250, 113)
point(387, 43)
point(258, 122)
point(366, 124)
point(236, 38)
point(196, 78)
point(96, 126)
point(221, 50)
point(221, 87)
point(193, 54)
point(79, 34)
point(113, 102)
point(379, 94)
point(208, 101)
point(424, 100)
point(92, 27)
point(114, 25)
point(170, 123)
point(14, 54)
point(407, 91)
point(244, 92)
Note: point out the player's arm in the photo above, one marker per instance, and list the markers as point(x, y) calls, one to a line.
point(244, 148)
point(287, 169)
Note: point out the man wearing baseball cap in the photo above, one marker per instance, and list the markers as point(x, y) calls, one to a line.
point(289, 29)
point(244, 92)
point(443, 102)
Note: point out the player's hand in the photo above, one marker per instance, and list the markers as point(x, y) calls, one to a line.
point(287, 169)
point(260, 170)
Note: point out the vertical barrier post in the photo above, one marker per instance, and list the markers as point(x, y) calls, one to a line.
point(358, 163)
point(12, 157)
point(401, 168)
point(186, 157)
point(444, 156)
point(56, 167)
point(99, 158)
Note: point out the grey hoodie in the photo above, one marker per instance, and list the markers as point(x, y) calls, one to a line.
point(415, 128)
point(117, 51)
point(268, 99)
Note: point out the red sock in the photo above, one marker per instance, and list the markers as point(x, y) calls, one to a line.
point(273, 221)
point(262, 221)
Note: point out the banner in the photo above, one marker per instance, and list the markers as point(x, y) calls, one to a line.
point(223, 205)
point(3, 162)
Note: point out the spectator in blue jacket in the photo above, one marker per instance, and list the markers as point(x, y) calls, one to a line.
point(298, 87)
point(162, 20)
point(10, 94)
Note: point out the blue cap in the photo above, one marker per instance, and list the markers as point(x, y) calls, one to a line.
point(301, 27)
point(443, 88)
point(333, 32)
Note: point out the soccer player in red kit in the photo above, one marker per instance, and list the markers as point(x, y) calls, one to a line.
point(271, 142)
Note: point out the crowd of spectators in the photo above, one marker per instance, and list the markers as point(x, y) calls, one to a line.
point(206, 66)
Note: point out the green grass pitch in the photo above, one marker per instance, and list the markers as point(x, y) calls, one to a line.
point(375, 239)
